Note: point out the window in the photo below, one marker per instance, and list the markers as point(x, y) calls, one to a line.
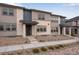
point(45, 29)
point(1, 28)
point(38, 29)
point(11, 12)
point(41, 29)
point(41, 16)
point(8, 11)
point(13, 27)
point(54, 29)
point(56, 21)
point(8, 27)
point(5, 11)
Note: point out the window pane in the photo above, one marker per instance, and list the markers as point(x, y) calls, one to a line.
point(41, 29)
point(5, 11)
point(11, 11)
point(1, 28)
point(41, 16)
point(44, 29)
point(8, 27)
point(37, 29)
point(13, 27)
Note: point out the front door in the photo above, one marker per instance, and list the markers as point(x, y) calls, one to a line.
point(28, 30)
point(76, 31)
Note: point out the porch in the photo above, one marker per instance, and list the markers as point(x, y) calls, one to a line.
point(72, 31)
point(29, 28)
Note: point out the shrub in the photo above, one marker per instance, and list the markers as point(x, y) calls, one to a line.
point(61, 46)
point(35, 50)
point(50, 47)
point(10, 54)
point(57, 47)
point(41, 40)
point(19, 53)
point(43, 49)
point(25, 42)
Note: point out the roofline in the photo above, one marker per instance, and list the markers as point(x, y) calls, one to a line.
point(40, 11)
point(8, 5)
point(58, 15)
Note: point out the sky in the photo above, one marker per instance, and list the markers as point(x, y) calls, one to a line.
point(69, 10)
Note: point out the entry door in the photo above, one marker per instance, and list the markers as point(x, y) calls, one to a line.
point(28, 30)
point(76, 31)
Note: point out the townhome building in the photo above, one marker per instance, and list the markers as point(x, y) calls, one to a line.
point(20, 21)
point(70, 27)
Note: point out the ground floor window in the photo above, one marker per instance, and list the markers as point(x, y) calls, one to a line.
point(13, 27)
point(1, 28)
point(41, 28)
point(76, 31)
point(7, 27)
point(54, 29)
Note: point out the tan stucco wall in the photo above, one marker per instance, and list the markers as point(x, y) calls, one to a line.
point(7, 19)
point(35, 15)
point(45, 23)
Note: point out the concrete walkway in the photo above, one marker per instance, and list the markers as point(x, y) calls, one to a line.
point(35, 45)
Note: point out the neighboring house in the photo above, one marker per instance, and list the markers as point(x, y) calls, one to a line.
point(71, 26)
point(19, 21)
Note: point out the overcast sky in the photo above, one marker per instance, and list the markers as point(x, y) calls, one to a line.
point(66, 9)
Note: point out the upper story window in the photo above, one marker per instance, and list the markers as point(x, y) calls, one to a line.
point(41, 16)
point(8, 11)
point(55, 17)
point(55, 21)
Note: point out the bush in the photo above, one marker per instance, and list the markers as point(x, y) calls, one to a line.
point(61, 46)
point(19, 53)
point(50, 47)
point(35, 50)
point(43, 49)
point(57, 47)
point(25, 42)
point(41, 41)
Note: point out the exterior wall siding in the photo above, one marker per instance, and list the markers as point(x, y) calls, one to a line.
point(48, 27)
point(7, 19)
point(35, 16)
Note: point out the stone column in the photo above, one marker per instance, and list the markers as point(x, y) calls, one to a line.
point(24, 30)
point(78, 31)
point(64, 30)
point(70, 31)
point(34, 30)
point(59, 30)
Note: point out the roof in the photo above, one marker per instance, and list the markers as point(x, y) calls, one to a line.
point(29, 23)
point(65, 25)
point(58, 15)
point(8, 5)
point(40, 11)
point(73, 19)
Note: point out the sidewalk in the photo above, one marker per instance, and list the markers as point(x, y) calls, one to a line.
point(35, 45)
